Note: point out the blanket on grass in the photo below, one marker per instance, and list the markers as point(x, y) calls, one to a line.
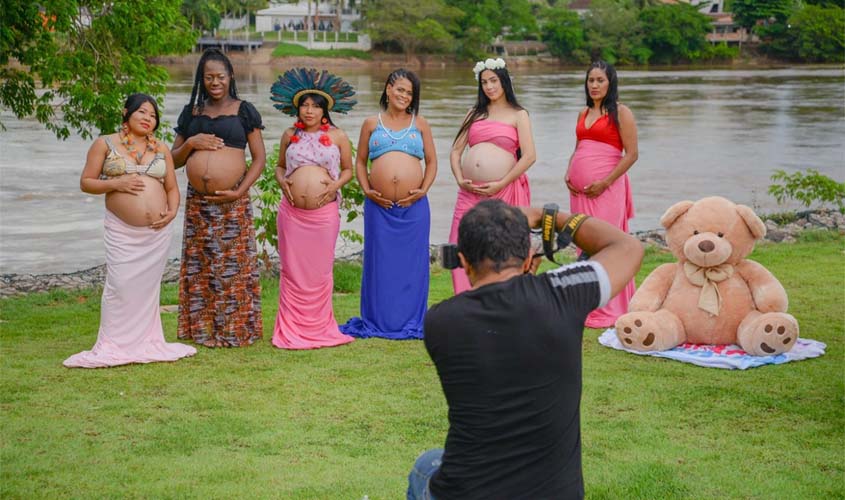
point(730, 356)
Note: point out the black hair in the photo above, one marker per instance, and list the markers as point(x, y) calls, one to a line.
point(414, 107)
point(135, 101)
point(479, 111)
point(198, 93)
point(609, 102)
point(320, 101)
point(496, 232)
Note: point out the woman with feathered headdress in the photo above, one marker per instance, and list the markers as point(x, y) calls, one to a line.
point(315, 161)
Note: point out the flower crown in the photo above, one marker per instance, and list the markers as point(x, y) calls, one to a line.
point(488, 64)
point(298, 82)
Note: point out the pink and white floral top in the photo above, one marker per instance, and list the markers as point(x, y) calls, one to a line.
point(308, 148)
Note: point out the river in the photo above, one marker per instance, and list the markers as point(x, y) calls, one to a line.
point(701, 133)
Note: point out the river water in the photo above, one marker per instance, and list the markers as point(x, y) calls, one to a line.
point(701, 133)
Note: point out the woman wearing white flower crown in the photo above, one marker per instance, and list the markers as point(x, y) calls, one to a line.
point(501, 149)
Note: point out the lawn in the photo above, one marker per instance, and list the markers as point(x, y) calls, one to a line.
point(294, 50)
point(348, 422)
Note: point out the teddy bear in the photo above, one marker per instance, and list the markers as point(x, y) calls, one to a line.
point(713, 294)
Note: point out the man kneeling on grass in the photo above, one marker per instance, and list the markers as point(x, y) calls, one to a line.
point(508, 353)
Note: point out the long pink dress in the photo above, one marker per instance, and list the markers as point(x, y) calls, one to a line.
point(517, 193)
point(306, 255)
point(130, 320)
point(599, 151)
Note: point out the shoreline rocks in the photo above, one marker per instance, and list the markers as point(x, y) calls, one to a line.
point(780, 228)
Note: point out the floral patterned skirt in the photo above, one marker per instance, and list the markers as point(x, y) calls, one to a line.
point(219, 288)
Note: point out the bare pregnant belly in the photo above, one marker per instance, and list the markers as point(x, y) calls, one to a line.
point(486, 162)
point(219, 170)
point(395, 174)
point(307, 186)
point(140, 209)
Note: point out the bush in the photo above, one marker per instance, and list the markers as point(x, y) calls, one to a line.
point(808, 188)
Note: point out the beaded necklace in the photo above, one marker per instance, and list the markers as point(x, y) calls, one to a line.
point(402, 134)
point(129, 144)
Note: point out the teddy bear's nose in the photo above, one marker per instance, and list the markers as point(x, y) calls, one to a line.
point(706, 246)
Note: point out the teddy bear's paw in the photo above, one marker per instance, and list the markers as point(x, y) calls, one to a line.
point(649, 331)
point(769, 334)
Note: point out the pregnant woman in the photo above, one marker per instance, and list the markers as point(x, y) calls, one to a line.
point(219, 291)
point(597, 176)
point(135, 172)
point(397, 218)
point(501, 149)
point(315, 161)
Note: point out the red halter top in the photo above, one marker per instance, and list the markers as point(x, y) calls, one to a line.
point(603, 130)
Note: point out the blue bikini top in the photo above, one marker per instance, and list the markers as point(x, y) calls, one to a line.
point(384, 140)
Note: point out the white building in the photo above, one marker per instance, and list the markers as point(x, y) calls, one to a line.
point(324, 16)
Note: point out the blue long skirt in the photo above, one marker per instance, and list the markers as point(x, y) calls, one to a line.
point(394, 288)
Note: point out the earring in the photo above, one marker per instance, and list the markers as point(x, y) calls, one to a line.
point(324, 120)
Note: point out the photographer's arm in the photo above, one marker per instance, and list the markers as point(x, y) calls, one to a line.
point(619, 253)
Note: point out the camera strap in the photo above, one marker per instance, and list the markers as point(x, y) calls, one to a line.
point(547, 225)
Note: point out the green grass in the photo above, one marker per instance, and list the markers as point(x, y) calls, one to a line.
point(347, 422)
point(294, 50)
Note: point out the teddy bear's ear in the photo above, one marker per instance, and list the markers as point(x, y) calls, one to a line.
point(675, 211)
point(754, 223)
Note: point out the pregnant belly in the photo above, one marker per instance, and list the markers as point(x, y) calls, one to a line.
point(219, 170)
point(308, 184)
point(593, 161)
point(140, 209)
point(395, 174)
point(486, 162)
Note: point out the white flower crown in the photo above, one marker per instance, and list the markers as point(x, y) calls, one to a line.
point(488, 64)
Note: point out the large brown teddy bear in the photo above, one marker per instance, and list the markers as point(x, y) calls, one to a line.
point(713, 294)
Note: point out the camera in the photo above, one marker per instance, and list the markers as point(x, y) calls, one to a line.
point(449, 252)
point(449, 257)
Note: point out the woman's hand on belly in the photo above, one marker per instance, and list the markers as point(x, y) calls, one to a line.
point(141, 208)
point(595, 189)
point(572, 188)
point(415, 194)
point(377, 198)
point(286, 186)
point(215, 173)
point(131, 184)
point(166, 217)
point(329, 194)
point(397, 177)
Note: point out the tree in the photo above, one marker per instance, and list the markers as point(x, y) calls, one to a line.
point(71, 64)
point(426, 24)
point(811, 34)
point(746, 13)
point(674, 32)
point(204, 15)
point(563, 33)
point(613, 32)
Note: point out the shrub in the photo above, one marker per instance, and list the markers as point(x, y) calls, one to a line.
point(808, 188)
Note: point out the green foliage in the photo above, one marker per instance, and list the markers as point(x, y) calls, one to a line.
point(746, 13)
point(674, 32)
point(422, 25)
point(563, 33)
point(811, 34)
point(293, 49)
point(75, 69)
point(614, 33)
point(719, 52)
point(808, 188)
point(267, 194)
point(204, 15)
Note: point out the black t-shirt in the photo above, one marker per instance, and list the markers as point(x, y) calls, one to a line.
point(509, 359)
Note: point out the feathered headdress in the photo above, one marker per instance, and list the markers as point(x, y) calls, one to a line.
point(298, 82)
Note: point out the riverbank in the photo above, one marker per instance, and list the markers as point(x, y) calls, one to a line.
point(780, 228)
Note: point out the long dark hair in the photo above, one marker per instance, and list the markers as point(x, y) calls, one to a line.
point(320, 101)
point(198, 93)
point(414, 107)
point(135, 101)
point(479, 111)
point(609, 102)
